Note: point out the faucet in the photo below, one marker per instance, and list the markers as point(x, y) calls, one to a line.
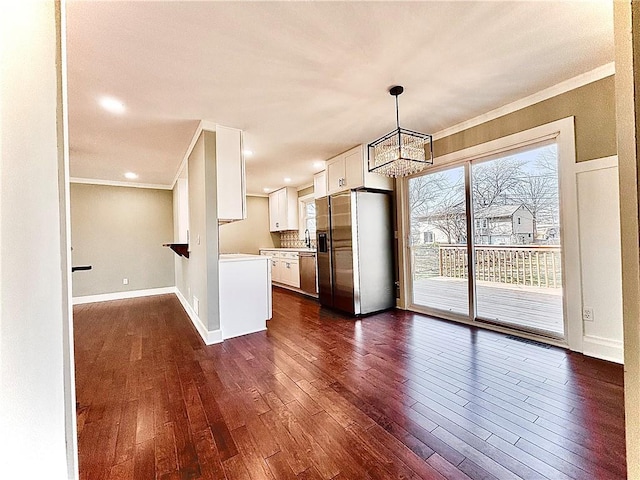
point(307, 238)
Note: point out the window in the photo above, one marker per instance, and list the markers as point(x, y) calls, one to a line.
point(427, 237)
point(307, 216)
point(518, 220)
point(310, 217)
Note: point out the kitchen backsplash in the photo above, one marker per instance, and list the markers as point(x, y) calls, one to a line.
point(291, 239)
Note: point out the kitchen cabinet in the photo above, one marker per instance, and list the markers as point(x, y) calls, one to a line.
point(285, 267)
point(291, 269)
point(230, 175)
point(283, 209)
point(320, 184)
point(277, 269)
point(349, 171)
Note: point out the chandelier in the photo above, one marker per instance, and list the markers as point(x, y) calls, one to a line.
point(401, 152)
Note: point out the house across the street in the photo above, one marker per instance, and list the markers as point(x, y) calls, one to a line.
point(494, 225)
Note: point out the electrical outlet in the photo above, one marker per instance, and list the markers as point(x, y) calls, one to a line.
point(125, 281)
point(587, 314)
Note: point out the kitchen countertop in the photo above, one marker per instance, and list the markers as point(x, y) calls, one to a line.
point(301, 249)
point(239, 257)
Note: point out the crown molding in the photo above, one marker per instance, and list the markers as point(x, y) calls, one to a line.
point(116, 183)
point(571, 84)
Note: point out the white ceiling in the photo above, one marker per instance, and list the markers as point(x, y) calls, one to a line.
point(305, 80)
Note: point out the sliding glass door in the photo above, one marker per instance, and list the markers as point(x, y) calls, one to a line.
point(438, 223)
point(513, 234)
point(516, 212)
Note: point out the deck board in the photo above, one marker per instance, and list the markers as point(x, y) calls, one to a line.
point(535, 308)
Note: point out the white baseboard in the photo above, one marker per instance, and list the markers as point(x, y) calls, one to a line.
point(209, 337)
point(603, 348)
point(105, 297)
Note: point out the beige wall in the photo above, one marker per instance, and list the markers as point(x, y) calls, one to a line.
point(191, 273)
point(251, 234)
point(305, 191)
point(197, 276)
point(592, 105)
point(120, 232)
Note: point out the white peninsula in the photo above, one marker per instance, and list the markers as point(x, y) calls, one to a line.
point(245, 294)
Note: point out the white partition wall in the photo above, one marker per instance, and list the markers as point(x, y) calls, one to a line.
point(37, 402)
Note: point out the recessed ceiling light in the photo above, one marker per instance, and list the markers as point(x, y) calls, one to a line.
point(131, 175)
point(112, 105)
point(266, 189)
point(247, 153)
point(318, 164)
point(287, 180)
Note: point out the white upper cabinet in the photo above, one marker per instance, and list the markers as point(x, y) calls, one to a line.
point(349, 170)
point(335, 174)
point(181, 210)
point(320, 184)
point(283, 209)
point(230, 176)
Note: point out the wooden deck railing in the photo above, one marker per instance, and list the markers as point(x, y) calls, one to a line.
point(533, 265)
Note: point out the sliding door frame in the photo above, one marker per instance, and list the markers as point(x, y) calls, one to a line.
point(562, 132)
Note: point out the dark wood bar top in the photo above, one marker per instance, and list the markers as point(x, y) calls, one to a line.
point(181, 249)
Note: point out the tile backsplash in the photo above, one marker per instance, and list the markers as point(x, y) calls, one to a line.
point(291, 239)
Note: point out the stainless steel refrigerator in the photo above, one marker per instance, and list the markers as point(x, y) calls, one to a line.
point(354, 234)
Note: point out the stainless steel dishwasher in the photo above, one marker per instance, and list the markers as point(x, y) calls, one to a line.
point(308, 282)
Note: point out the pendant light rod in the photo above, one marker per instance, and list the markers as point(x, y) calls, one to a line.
point(397, 114)
point(396, 90)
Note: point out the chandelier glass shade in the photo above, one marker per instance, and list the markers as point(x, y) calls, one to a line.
point(401, 152)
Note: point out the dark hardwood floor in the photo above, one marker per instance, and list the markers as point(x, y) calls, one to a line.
point(322, 396)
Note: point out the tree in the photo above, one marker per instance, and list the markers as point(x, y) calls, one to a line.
point(437, 199)
point(424, 195)
point(450, 216)
point(494, 182)
point(538, 189)
point(424, 192)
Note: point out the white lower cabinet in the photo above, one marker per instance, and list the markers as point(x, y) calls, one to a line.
point(276, 271)
point(291, 269)
point(285, 267)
